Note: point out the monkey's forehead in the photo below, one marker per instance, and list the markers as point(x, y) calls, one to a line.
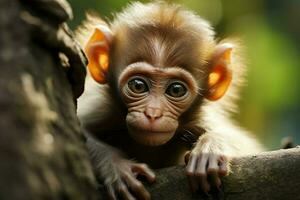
point(163, 46)
point(161, 14)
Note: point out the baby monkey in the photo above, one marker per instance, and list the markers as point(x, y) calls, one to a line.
point(160, 91)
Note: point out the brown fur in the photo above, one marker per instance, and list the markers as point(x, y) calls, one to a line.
point(164, 36)
point(185, 40)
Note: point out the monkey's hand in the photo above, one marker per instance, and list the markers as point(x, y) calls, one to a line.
point(206, 163)
point(122, 179)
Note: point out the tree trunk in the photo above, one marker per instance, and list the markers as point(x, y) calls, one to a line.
point(42, 151)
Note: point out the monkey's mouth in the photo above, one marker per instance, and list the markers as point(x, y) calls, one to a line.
point(149, 130)
point(151, 137)
point(153, 132)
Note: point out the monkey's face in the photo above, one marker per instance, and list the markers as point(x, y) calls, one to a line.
point(155, 98)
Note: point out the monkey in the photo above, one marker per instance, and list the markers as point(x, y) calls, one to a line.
point(161, 91)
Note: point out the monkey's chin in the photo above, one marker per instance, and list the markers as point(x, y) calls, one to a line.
point(151, 138)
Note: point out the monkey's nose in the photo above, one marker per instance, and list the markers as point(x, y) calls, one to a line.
point(153, 113)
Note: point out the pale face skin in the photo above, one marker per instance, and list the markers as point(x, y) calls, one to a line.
point(155, 98)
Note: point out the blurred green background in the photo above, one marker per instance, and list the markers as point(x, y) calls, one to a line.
point(270, 30)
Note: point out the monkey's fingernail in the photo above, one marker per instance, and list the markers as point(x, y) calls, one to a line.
point(153, 179)
point(152, 176)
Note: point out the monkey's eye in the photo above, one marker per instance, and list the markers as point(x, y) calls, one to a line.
point(138, 85)
point(176, 90)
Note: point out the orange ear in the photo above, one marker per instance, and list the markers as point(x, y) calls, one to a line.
point(97, 50)
point(220, 76)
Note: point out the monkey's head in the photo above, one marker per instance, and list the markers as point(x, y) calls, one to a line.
point(161, 61)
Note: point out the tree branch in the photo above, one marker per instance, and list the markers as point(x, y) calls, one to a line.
point(271, 175)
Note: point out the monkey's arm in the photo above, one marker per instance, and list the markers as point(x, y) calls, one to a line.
point(211, 155)
point(117, 173)
point(231, 140)
point(97, 110)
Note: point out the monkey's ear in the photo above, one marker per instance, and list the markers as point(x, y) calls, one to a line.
point(97, 50)
point(220, 75)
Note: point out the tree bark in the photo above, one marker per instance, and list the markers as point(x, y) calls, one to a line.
point(271, 175)
point(42, 152)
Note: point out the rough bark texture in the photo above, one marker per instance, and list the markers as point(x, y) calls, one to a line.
point(42, 153)
point(271, 175)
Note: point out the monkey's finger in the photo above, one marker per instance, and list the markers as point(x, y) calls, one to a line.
point(213, 169)
point(137, 187)
point(111, 192)
point(191, 165)
point(187, 157)
point(124, 192)
point(202, 182)
point(223, 167)
point(201, 172)
point(190, 171)
point(144, 170)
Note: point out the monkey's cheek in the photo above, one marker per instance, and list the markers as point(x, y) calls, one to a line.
point(151, 138)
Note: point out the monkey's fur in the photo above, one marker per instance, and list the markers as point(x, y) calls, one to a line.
point(162, 35)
